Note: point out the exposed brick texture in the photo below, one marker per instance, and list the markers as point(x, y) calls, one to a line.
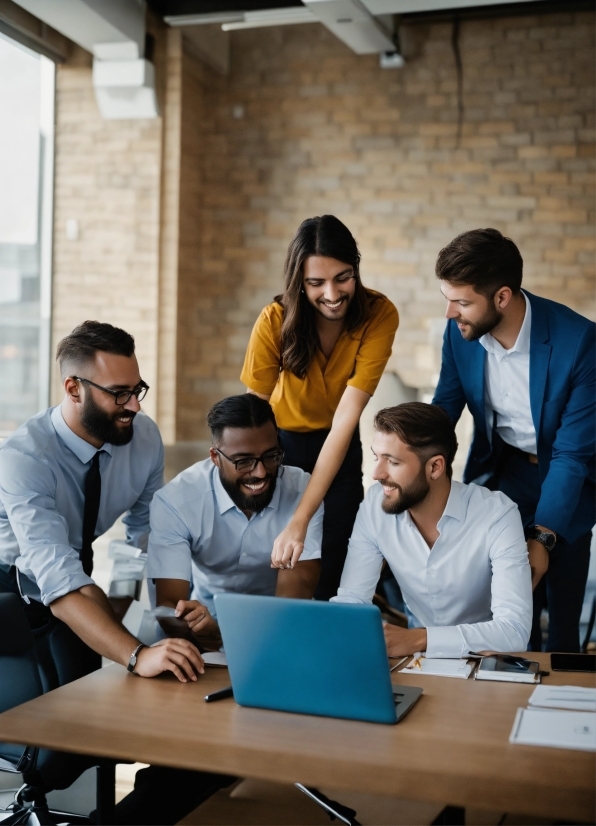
point(107, 177)
point(326, 131)
point(302, 126)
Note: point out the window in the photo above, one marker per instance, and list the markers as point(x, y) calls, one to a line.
point(26, 184)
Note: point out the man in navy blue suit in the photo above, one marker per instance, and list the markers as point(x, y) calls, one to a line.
point(525, 366)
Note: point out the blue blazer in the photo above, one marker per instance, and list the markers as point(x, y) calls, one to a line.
point(563, 402)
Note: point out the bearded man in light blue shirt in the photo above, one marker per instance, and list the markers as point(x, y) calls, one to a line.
point(457, 551)
point(66, 475)
point(214, 525)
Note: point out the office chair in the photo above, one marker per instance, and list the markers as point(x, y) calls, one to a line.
point(42, 770)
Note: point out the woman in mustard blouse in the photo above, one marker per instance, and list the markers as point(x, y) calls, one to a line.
point(317, 354)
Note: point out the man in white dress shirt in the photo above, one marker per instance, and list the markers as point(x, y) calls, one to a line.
point(214, 525)
point(458, 551)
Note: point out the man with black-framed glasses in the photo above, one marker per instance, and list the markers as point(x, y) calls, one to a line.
point(66, 475)
point(214, 525)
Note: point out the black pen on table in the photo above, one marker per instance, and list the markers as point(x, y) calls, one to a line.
point(219, 695)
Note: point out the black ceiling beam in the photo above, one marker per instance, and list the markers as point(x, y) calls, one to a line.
point(498, 10)
point(167, 8)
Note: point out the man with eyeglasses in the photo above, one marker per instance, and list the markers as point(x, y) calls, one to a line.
point(214, 525)
point(66, 475)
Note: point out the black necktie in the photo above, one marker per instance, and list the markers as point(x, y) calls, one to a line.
point(92, 497)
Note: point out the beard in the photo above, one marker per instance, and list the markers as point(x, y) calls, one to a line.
point(331, 315)
point(244, 501)
point(484, 326)
point(409, 497)
point(102, 426)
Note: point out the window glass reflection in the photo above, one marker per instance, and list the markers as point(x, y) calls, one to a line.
point(26, 135)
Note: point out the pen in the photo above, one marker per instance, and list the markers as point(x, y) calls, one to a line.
point(403, 659)
point(219, 695)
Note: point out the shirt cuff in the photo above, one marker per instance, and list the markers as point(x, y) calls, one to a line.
point(366, 385)
point(255, 385)
point(310, 553)
point(70, 584)
point(444, 641)
point(164, 571)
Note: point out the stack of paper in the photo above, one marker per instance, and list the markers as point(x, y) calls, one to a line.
point(572, 697)
point(557, 729)
point(439, 667)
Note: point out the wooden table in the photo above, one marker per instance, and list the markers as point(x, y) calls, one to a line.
point(452, 748)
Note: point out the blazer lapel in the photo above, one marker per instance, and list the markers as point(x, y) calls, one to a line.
point(476, 355)
point(540, 352)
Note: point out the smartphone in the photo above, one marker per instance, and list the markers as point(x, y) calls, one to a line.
point(573, 662)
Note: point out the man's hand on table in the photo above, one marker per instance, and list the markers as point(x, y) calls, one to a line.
point(179, 656)
point(403, 641)
point(197, 617)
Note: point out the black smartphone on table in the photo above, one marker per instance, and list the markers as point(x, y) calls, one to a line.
point(573, 662)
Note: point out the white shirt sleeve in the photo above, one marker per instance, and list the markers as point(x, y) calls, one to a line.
point(511, 599)
point(363, 563)
point(314, 535)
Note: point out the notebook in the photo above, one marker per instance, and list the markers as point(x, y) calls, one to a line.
point(439, 667)
point(555, 729)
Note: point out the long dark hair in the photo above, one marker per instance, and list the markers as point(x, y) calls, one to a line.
point(326, 236)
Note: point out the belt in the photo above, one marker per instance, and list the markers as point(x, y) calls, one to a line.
point(528, 457)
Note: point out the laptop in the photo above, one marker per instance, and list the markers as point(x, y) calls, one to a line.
point(310, 657)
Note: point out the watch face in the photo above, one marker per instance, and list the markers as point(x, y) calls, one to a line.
point(546, 539)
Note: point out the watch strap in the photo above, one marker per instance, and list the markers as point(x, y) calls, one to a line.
point(133, 657)
point(549, 540)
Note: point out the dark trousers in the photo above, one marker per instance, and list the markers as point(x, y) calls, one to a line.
point(161, 795)
point(341, 502)
point(562, 588)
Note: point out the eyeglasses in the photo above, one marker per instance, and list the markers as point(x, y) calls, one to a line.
point(120, 396)
point(270, 461)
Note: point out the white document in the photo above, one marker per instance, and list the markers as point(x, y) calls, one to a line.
point(572, 697)
point(438, 667)
point(555, 729)
point(215, 658)
point(118, 548)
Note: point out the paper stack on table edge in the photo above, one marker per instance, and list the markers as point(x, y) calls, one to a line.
point(555, 729)
point(436, 667)
point(571, 697)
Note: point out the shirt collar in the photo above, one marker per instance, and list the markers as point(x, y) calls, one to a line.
point(224, 500)
point(455, 506)
point(522, 342)
point(81, 449)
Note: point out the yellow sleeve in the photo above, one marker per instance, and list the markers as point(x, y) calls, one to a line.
point(261, 363)
point(375, 347)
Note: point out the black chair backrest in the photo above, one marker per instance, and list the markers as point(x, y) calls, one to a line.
point(19, 674)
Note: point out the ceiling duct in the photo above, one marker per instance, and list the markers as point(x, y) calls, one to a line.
point(114, 32)
point(349, 20)
point(353, 24)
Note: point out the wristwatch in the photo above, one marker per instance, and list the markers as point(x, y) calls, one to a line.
point(133, 657)
point(549, 540)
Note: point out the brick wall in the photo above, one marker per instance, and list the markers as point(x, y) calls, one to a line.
point(301, 126)
point(107, 177)
point(185, 220)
